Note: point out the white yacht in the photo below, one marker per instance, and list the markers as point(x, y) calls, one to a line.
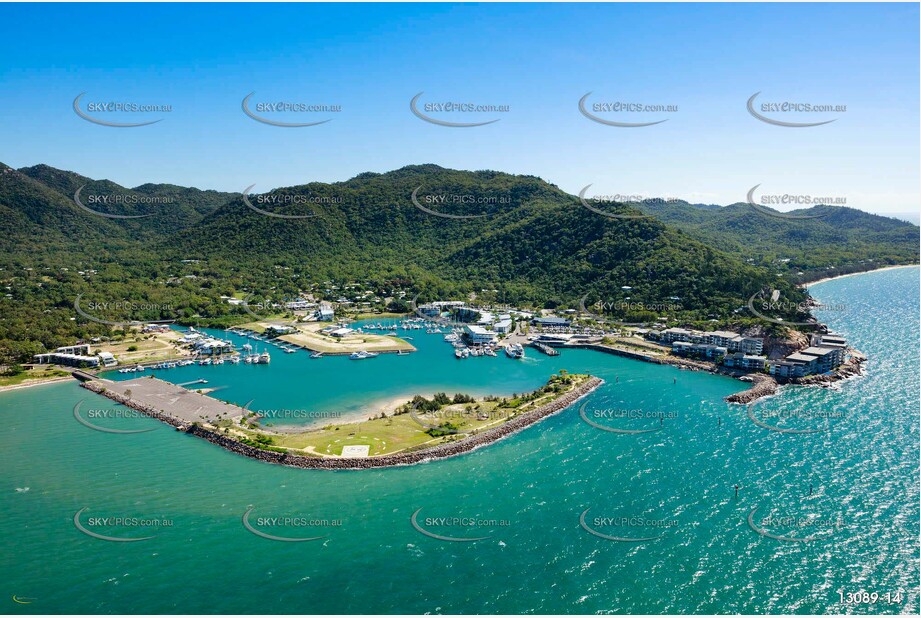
point(360, 355)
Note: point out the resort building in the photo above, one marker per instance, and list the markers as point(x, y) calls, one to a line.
point(478, 334)
point(746, 362)
point(808, 362)
point(430, 310)
point(733, 342)
point(551, 321)
point(299, 305)
point(829, 340)
point(448, 304)
point(786, 369)
point(486, 318)
point(719, 337)
point(670, 335)
point(554, 339)
point(812, 360)
point(503, 327)
point(76, 356)
point(699, 350)
point(208, 346)
point(155, 328)
point(325, 313)
point(746, 345)
point(826, 358)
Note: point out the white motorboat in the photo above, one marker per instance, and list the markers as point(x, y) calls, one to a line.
point(361, 355)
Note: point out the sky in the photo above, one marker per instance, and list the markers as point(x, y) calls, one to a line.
point(539, 60)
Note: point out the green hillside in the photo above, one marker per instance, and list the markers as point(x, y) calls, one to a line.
point(501, 237)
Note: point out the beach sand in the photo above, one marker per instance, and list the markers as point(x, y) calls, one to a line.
point(37, 382)
point(863, 272)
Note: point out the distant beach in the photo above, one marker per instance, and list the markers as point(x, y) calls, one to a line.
point(863, 272)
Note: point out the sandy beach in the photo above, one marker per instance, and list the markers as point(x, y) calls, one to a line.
point(31, 383)
point(863, 272)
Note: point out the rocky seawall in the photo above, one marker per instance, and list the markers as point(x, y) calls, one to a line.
point(440, 451)
point(762, 386)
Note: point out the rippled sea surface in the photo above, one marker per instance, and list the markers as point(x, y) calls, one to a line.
point(848, 490)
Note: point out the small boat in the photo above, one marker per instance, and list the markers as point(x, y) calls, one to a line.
point(218, 361)
point(233, 360)
point(461, 353)
point(451, 337)
point(205, 361)
point(264, 358)
point(317, 355)
point(361, 355)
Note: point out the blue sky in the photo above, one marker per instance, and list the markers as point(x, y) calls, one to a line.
point(539, 59)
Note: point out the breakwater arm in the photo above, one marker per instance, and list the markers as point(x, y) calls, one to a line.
point(440, 451)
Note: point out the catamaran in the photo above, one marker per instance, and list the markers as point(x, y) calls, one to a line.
point(514, 351)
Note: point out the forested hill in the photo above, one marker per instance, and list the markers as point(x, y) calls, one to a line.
point(824, 240)
point(523, 235)
point(421, 229)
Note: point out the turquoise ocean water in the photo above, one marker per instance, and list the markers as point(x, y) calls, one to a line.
point(525, 493)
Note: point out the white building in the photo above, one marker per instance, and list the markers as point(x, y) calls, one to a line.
point(748, 362)
point(73, 356)
point(826, 358)
point(478, 335)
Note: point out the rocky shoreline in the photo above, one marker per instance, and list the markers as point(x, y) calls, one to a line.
point(440, 451)
point(763, 386)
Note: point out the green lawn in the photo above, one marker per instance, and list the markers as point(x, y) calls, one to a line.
point(400, 432)
point(37, 374)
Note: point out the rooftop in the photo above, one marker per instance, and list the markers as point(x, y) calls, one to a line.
point(816, 351)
